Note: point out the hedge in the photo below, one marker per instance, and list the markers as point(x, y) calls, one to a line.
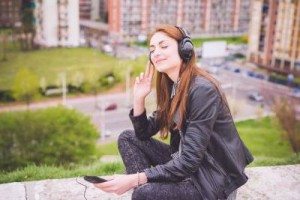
point(53, 136)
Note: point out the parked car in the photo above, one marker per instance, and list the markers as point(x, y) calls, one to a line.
point(237, 70)
point(296, 92)
point(251, 74)
point(112, 106)
point(107, 49)
point(255, 96)
point(259, 76)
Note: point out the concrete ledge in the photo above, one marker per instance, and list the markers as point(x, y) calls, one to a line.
point(278, 182)
point(12, 191)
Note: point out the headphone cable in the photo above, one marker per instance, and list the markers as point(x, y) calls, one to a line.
point(85, 188)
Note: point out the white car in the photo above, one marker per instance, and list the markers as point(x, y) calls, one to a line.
point(255, 96)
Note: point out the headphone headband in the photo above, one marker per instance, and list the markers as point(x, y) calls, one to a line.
point(183, 32)
point(185, 46)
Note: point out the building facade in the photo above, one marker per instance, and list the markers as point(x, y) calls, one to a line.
point(85, 9)
point(10, 13)
point(274, 35)
point(130, 18)
point(57, 23)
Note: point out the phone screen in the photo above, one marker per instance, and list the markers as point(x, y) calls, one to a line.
point(94, 179)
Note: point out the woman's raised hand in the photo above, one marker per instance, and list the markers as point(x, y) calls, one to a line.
point(142, 84)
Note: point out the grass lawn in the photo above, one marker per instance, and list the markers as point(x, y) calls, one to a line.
point(49, 63)
point(264, 140)
point(108, 149)
point(50, 172)
point(262, 137)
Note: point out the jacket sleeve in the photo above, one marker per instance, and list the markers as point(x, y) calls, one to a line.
point(203, 106)
point(144, 127)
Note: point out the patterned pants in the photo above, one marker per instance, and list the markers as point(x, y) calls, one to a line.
point(138, 155)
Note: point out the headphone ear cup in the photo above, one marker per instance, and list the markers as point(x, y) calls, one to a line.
point(186, 49)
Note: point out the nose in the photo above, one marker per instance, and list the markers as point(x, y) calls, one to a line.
point(156, 54)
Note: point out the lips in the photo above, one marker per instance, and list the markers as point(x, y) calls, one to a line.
point(159, 60)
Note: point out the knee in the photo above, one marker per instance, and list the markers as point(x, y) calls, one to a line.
point(125, 136)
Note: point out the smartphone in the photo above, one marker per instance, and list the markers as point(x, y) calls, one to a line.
point(94, 179)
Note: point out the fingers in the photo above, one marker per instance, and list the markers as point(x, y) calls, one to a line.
point(109, 186)
point(139, 78)
point(147, 69)
point(117, 185)
point(107, 183)
point(149, 73)
point(104, 184)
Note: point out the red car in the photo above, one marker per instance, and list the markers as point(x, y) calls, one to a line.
point(112, 106)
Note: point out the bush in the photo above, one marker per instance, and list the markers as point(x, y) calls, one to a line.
point(6, 96)
point(25, 86)
point(283, 80)
point(74, 89)
point(53, 136)
point(285, 110)
point(108, 80)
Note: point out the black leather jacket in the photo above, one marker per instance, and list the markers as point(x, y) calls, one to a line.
point(212, 153)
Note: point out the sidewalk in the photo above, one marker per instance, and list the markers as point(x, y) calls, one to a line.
point(277, 182)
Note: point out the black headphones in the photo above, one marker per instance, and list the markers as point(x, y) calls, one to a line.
point(185, 46)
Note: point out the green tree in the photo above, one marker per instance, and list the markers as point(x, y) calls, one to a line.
point(28, 24)
point(4, 42)
point(4, 35)
point(25, 86)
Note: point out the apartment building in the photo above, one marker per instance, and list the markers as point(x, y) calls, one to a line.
point(103, 11)
point(85, 9)
point(95, 10)
point(274, 35)
point(130, 18)
point(10, 12)
point(57, 23)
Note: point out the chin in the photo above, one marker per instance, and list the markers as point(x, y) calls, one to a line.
point(162, 68)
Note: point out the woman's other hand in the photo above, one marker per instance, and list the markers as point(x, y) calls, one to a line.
point(119, 184)
point(142, 84)
point(142, 87)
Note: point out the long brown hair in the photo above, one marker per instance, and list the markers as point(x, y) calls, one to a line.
point(165, 107)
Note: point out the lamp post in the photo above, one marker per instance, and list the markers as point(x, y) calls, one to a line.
point(128, 85)
point(63, 87)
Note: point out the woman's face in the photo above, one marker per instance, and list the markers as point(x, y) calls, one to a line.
point(164, 53)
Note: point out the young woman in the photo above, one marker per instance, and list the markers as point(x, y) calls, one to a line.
point(206, 157)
